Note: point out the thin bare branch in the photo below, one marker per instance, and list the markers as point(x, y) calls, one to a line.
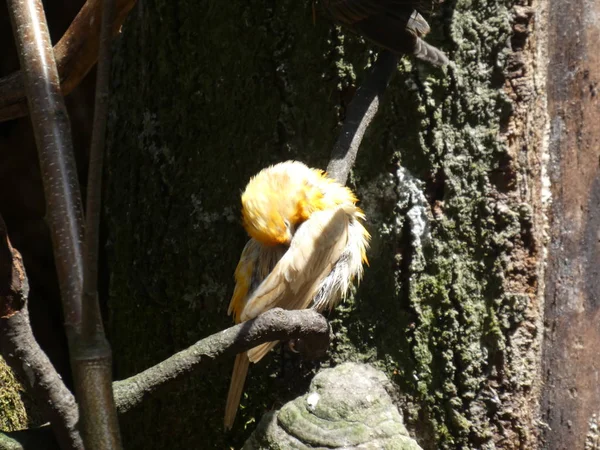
point(276, 324)
point(92, 321)
point(92, 359)
point(22, 352)
point(361, 111)
point(75, 55)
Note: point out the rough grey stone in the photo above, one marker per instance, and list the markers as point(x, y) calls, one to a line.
point(346, 407)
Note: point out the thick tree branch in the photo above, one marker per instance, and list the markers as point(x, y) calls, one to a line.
point(276, 324)
point(75, 55)
point(52, 132)
point(361, 111)
point(22, 352)
point(55, 149)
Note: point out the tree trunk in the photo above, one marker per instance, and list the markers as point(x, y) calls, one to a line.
point(571, 362)
point(451, 176)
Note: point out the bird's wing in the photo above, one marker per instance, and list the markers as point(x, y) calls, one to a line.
point(314, 250)
point(243, 277)
point(256, 262)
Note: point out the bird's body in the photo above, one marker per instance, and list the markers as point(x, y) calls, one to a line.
point(392, 24)
point(307, 245)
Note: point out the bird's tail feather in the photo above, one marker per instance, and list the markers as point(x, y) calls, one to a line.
point(257, 353)
point(238, 378)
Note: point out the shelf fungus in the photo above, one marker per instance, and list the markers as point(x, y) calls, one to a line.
point(346, 407)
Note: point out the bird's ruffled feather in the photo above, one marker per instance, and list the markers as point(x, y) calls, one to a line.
point(314, 250)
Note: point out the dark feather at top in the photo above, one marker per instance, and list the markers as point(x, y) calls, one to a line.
point(392, 24)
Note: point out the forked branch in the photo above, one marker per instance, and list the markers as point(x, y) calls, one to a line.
point(360, 114)
point(22, 352)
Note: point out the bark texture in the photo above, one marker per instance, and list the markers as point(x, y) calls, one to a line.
point(207, 94)
point(571, 398)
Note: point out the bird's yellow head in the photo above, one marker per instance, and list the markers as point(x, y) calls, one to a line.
point(278, 199)
point(265, 219)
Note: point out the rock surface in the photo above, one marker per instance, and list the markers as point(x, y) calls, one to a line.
point(346, 407)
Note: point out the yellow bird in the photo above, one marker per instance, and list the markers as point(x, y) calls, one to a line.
point(307, 243)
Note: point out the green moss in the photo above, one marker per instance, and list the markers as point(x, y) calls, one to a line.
point(13, 415)
point(442, 328)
